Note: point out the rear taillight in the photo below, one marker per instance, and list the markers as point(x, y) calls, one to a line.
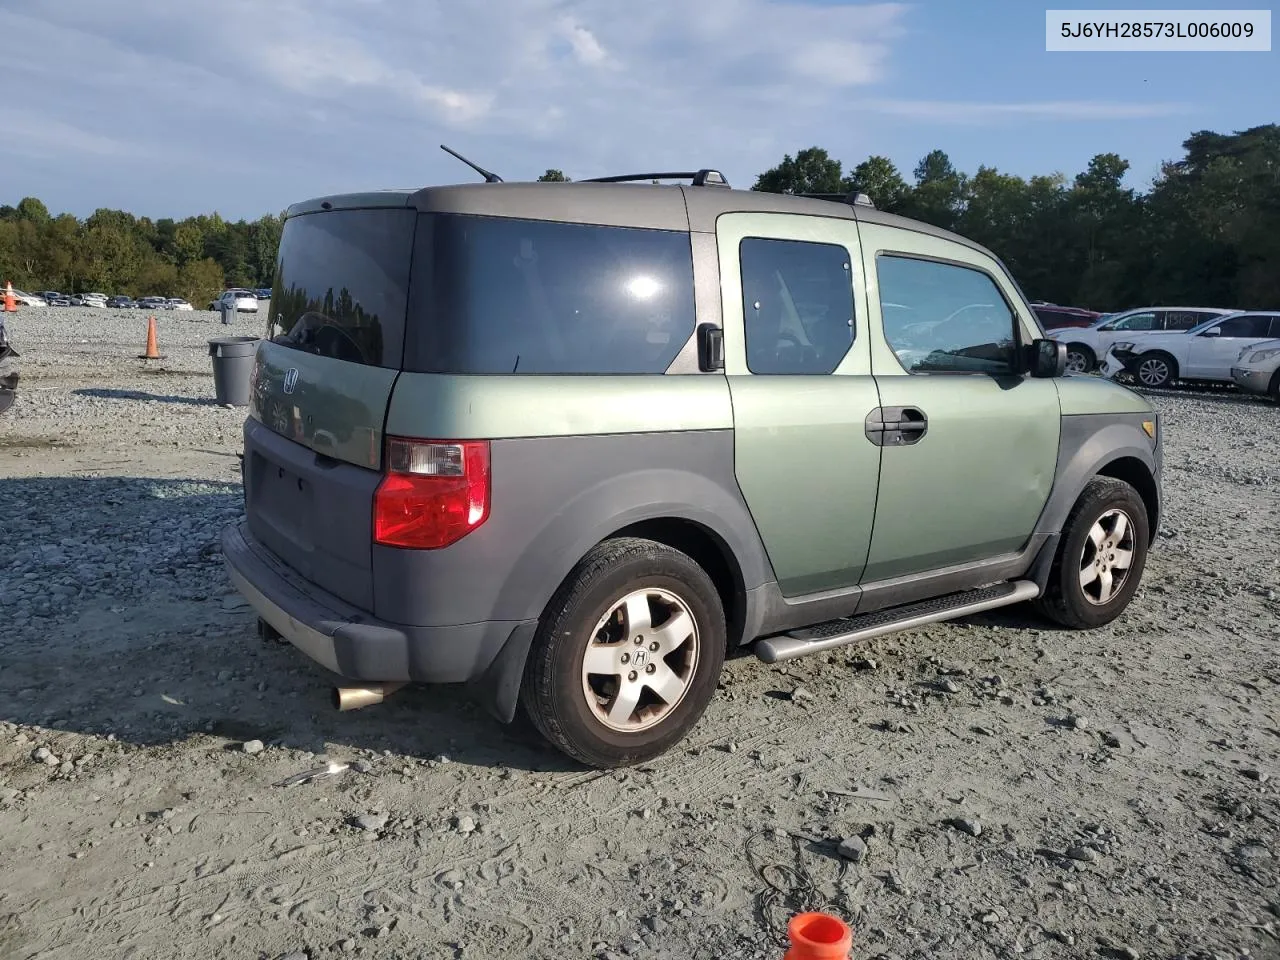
point(433, 494)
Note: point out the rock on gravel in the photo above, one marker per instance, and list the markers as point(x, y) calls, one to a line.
point(372, 821)
point(252, 746)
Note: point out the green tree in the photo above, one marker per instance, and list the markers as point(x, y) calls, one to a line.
point(188, 242)
point(879, 179)
point(29, 208)
point(811, 170)
point(199, 282)
point(553, 176)
point(939, 194)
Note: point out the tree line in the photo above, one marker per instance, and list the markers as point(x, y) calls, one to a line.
point(114, 252)
point(1206, 232)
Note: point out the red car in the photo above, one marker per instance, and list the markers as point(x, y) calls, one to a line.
point(1053, 316)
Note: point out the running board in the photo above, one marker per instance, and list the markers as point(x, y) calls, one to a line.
point(839, 633)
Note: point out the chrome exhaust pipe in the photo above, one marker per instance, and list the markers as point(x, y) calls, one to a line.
point(353, 698)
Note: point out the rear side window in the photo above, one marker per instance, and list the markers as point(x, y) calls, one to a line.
point(1251, 326)
point(1176, 320)
point(341, 285)
point(497, 295)
point(797, 305)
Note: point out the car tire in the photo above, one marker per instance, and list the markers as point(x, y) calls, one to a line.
point(1156, 369)
point(1274, 389)
point(582, 711)
point(1083, 357)
point(1082, 592)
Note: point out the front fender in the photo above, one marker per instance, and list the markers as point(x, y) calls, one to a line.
point(1089, 444)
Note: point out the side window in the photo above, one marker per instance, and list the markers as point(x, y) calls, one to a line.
point(1245, 327)
point(1275, 326)
point(797, 305)
point(1137, 321)
point(956, 320)
point(1176, 320)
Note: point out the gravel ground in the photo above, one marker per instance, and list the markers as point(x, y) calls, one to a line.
point(1002, 788)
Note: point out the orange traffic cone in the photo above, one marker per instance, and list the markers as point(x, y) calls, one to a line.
point(818, 936)
point(10, 302)
point(153, 349)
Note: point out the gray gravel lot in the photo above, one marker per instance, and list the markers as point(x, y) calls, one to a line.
point(1002, 788)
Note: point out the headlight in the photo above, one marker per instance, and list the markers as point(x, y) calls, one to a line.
point(1264, 355)
point(1121, 346)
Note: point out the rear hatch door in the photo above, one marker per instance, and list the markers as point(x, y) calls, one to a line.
point(322, 382)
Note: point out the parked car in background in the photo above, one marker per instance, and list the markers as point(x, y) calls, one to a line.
point(1087, 346)
point(177, 303)
point(89, 300)
point(55, 299)
point(25, 299)
point(151, 303)
point(263, 293)
point(1054, 317)
point(245, 301)
point(120, 303)
point(1257, 369)
point(1206, 352)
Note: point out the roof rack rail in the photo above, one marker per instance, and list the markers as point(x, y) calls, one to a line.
point(853, 199)
point(702, 178)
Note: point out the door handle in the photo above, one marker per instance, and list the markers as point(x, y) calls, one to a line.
point(896, 426)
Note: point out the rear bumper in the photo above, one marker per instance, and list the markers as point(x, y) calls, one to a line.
point(1253, 381)
point(351, 642)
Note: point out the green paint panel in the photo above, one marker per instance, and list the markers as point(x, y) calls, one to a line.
point(450, 407)
point(974, 486)
point(335, 407)
point(808, 474)
point(803, 462)
point(1086, 394)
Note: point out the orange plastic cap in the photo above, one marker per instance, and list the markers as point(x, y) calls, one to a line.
point(818, 936)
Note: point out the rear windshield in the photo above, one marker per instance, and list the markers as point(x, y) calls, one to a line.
point(496, 295)
point(341, 284)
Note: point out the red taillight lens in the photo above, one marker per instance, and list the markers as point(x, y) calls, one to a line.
point(434, 493)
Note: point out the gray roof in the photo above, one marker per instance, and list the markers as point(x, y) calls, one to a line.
point(655, 206)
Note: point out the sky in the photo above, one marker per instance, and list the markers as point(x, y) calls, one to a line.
point(169, 108)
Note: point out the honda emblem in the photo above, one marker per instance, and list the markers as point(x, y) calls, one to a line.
point(290, 379)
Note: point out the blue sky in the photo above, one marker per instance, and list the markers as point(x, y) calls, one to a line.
point(175, 107)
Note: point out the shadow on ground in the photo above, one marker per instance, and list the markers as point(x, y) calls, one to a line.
point(107, 394)
point(156, 647)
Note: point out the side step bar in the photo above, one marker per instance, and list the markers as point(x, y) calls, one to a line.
point(839, 633)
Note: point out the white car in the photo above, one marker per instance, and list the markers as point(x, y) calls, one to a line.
point(1205, 352)
point(177, 303)
point(1086, 346)
point(245, 301)
point(28, 299)
point(98, 300)
point(1257, 369)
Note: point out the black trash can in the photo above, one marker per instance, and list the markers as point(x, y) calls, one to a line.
point(232, 367)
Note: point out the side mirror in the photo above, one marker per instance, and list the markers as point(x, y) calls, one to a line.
point(1048, 358)
point(710, 347)
point(1212, 332)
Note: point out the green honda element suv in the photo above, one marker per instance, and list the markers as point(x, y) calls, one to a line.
point(571, 443)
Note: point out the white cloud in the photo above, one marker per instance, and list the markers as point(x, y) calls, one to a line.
point(585, 45)
point(249, 105)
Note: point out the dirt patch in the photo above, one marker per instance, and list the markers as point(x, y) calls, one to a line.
point(1014, 790)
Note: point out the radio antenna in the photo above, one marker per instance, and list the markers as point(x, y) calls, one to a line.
point(489, 176)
